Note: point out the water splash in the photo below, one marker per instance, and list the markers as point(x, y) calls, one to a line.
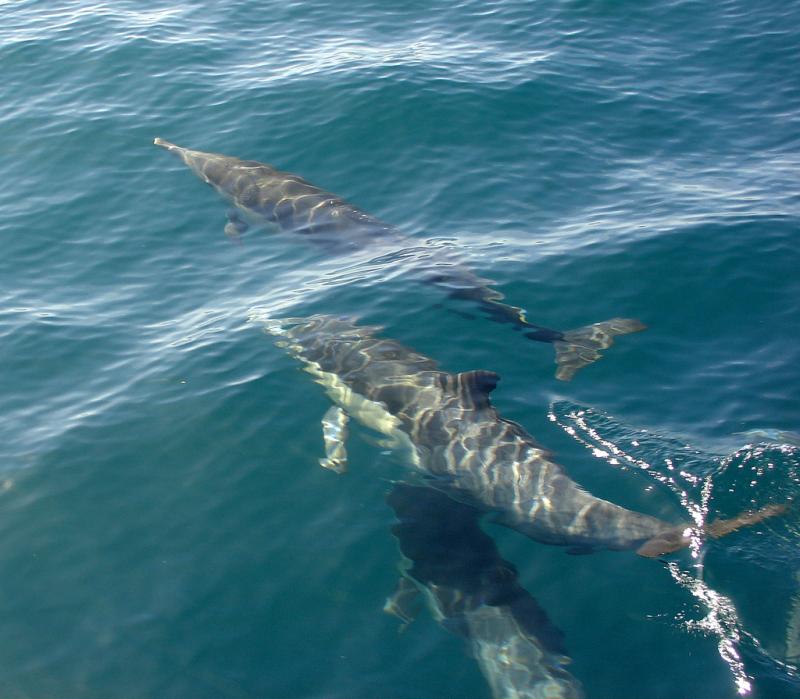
point(743, 479)
point(721, 620)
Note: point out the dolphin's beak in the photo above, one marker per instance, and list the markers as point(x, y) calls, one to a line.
point(166, 144)
point(196, 160)
point(184, 154)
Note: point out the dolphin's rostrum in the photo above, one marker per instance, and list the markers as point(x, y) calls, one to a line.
point(458, 442)
point(269, 196)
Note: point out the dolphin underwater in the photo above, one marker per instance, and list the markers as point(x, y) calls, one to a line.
point(470, 590)
point(457, 441)
point(265, 195)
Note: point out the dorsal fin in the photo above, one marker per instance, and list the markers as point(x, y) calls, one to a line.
point(477, 385)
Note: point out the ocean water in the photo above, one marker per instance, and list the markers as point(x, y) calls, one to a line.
point(165, 529)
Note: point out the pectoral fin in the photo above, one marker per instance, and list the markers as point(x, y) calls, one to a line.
point(404, 602)
point(334, 433)
point(235, 226)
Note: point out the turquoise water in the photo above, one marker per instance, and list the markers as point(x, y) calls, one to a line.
point(165, 530)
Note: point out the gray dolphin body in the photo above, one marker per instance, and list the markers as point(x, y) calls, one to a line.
point(269, 196)
point(456, 439)
point(470, 590)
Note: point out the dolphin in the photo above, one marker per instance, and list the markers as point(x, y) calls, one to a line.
point(264, 195)
point(472, 591)
point(770, 436)
point(456, 439)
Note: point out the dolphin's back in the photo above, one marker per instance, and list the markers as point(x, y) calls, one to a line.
point(458, 438)
point(266, 195)
point(280, 198)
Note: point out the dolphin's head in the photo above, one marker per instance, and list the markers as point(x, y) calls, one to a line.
point(212, 168)
point(209, 167)
point(317, 334)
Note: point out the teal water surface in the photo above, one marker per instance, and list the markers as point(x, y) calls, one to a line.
point(165, 529)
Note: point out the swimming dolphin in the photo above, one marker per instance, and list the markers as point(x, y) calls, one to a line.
point(265, 195)
point(458, 442)
point(470, 590)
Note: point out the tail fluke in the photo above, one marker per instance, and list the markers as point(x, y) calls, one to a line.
point(679, 537)
point(580, 347)
point(723, 527)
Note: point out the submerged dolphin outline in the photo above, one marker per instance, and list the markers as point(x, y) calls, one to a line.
point(456, 439)
point(451, 563)
point(267, 195)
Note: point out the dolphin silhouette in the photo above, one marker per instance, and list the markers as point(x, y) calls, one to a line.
point(471, 590)
point(455, 438)
point(265, 195)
